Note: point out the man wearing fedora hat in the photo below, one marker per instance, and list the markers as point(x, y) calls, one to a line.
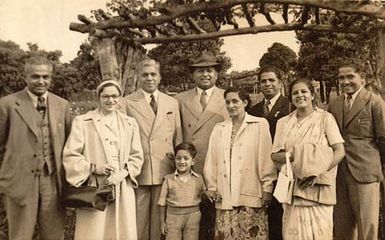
point(201, 108)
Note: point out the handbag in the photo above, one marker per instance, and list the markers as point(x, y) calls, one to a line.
point(283, 191)
point(89, 194)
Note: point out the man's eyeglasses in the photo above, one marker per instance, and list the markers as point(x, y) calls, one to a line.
point(106, 97)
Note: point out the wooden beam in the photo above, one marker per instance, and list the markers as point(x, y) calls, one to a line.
point(194, 25)
point(188, 9)
point(248, 16)
point(249, 30)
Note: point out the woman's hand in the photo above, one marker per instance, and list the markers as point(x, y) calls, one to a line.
point(266, 199)
point(307, 182)
point(213, 196)
point(116, 177)
point(104, 169)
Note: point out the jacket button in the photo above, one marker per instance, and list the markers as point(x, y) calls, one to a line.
point(224, 175)
point(34, 155)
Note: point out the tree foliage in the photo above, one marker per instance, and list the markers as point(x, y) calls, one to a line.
point(175, 59)
point(11, 67)
point(279, 56)
point(68, 78)
point(320, 54)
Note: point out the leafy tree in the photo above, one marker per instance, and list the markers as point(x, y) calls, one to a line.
point(87, 67)
point(11, 67)
point(279, 56)
point(320, 53)
point(175, 59)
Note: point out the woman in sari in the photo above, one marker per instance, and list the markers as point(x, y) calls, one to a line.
point(106, 143)
point(239, 172)
point(310, 214)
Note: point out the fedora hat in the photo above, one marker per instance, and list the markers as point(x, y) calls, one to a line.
point(206, 59)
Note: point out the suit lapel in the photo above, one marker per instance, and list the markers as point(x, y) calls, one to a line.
point(339, 113)
point(26, 110)
point(277, 106)
point(191, 103)
point(53, 113)
point(140, 104)
point(358, 104)
point(162, 101)
point(215, 103)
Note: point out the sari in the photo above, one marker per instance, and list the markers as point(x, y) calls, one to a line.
point(310, 214)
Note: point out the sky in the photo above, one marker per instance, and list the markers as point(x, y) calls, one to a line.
point(46, 22)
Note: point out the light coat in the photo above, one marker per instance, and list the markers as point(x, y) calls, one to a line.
point(19, 138)
point(242, 177)
point(197, 125)
point(86, 145)
point(159, 134)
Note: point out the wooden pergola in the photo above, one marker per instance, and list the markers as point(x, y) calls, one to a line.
point(120, 38)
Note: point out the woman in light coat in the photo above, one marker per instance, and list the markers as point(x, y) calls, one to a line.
point(109, 141)
point(239, 171)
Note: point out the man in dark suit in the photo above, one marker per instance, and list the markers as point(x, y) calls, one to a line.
point(273, 107)
point(34, 125)
point(360, 115)
point(160, 131)
point(201, 108)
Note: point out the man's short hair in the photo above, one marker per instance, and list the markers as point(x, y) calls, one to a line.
point(147, 62)
point(37, 60)
point(273, 69)
point(357, 67)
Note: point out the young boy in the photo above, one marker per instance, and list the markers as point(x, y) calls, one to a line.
point(180, 197)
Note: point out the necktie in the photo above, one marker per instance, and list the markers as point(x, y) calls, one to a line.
point(153, 104)
point(348, 102)
point(204, 100)
point(347, 105)
point(41, 106)
point(266, 109)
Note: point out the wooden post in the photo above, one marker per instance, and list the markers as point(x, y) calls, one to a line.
point(107, 60)
point(134, 55)
point(381, 59)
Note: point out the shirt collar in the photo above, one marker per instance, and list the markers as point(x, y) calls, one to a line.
point(176, 174)
point(355, 94)
point(208, 91)
point(34, 97)
point(147, 95)
point(274, 100)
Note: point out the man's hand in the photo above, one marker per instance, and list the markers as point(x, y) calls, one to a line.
point(163, 227)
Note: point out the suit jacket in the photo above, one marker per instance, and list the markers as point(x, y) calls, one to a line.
point(364, 133)
point(159, 134)
point(197, 126)
point(281, 108)
point(18, 141)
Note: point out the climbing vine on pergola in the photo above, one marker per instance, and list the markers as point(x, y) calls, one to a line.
point(143, 22)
